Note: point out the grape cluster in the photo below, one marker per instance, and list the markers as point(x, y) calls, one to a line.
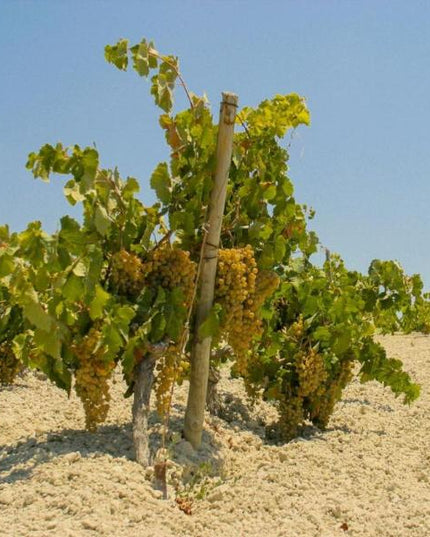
point(308, 381)
point(171, 368)
point(311, 391)
point(296, 330)
point(291, 416)
point(241, 290)
point(10, 366)
point(321, 403)
point(170, 268)
point(91, 378)
point(127, 275)
point(310, 371)
point(167, 371)
point(266, 284)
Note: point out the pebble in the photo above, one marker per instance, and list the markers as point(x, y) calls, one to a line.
point(216, 496)
point(89, 524)
point(284, 456)
point(72, 457)
point(6, 498)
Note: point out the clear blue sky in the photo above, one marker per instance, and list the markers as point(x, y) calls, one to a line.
point(363, 66)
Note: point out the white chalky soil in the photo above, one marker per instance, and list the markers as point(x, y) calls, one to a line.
point(368, 475)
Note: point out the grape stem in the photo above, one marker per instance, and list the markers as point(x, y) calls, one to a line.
point(166, 60)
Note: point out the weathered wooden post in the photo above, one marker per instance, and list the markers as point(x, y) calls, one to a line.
point(200, 352)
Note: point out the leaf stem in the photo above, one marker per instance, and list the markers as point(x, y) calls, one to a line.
point(166, 60)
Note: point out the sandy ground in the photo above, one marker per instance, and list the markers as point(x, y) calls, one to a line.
point(367, 475)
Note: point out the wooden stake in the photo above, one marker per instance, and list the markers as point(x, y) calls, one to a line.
point(200, 352)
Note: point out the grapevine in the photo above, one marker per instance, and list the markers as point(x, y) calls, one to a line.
point(121, 282)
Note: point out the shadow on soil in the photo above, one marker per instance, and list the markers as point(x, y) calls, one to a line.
point(238, 414)
point(19, 460)
point(366, 402)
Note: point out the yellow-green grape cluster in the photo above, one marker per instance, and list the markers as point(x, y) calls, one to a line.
point(291, 416)
point(266, 284)
point(296, 330)
point(310, 371)
point(171, 268)
point(171, 368)
point(311, 375)
point(92, 376)
point(321, 403)
point(10, 366)
point(235, 292)
point(166, 375)
point(241, 290)
point(127, 275)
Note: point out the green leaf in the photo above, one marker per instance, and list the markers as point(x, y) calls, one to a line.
point(36, 314)
point(322, 333)
point(80, 269)
point(162, 90)
point(72, 192)
point(100, 300)
point(112, 339)
point(123, 316)
point(342, 342)
point(141, 57)
point(90, 161)
point(49, 159)
point(158, 327)
point(48, 342)
point(74, 288)
point(34, 243)
point(287, 186)
point(280, 248)
point(101, 220)
point(137, 342)
point(161, 182)
point(118, 54)
point(128, 360)
point(161, 298)
point(210, 326)
point(310, 306)
point(72, 234)
point(21, 347)
point(131, 187)
point(267, 259)
point(61, 376)
point(7, 265)
point(175, 314)
point(269, 193)
point(4, 233)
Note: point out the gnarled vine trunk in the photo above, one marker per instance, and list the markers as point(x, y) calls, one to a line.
point(141, 407)
point(213, 400)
